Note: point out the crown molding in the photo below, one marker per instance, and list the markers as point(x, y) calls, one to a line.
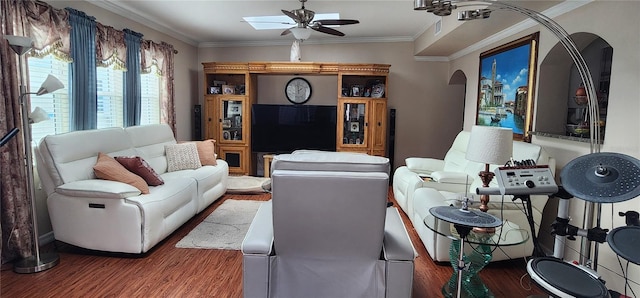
point(341, 40)
point(143, 19)
point(431, 58)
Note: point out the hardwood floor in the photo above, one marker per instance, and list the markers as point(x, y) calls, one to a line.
point(167, 271)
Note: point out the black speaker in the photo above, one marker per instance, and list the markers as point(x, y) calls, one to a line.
point(392, 136)
point(197, 122)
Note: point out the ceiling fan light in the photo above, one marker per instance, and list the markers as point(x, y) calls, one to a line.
point(474, 14)
point(420, 5)
point(442, 12)
point(301, 33)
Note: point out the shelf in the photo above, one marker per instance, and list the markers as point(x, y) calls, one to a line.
point(562, 137)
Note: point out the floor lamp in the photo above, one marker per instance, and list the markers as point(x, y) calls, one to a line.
point(40, 261)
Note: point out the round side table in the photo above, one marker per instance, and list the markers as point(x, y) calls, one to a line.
point(480, 255)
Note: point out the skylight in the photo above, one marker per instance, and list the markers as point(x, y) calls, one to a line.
point(283, 21)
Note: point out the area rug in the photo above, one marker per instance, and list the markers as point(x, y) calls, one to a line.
point(248, 185)
point(224, 228)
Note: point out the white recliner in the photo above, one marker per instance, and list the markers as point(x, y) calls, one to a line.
point(416, 196)
point(327, 232)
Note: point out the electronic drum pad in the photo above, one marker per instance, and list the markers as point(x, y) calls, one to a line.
point(603, 177)
point(469, 218)
point(624, 241)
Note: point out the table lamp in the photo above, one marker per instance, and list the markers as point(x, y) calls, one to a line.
point(489, 145)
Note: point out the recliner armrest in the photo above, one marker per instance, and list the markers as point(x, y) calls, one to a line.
point(97, 188)
point(424, 166)
point(396, 243)
point(259, 238)
point(451, 177)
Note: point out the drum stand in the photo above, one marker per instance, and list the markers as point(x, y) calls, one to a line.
point(595, 178)
point(463, 231)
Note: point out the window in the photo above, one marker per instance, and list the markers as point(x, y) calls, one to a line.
point(150, 105)
point(110, 97)
point(56, 104)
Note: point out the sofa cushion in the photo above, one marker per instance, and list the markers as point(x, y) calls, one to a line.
point(523, 151)
point(330, 161)
point(182, 157)
point(140, 167)
point(108, 168)
point(149, 143)
point(207, 152)
point(68, 157)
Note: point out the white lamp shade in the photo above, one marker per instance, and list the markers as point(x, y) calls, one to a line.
point(38, 115)
point(490, 145)
point(301, 33)
point(49, 85)
point(19, 44)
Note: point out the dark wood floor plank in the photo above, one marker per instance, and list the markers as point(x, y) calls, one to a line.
point(167, 271)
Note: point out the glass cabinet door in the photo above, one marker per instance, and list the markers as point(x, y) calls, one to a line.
point(231, 120)
point(354, 123)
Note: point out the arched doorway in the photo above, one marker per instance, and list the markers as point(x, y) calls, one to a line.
point(458, 80)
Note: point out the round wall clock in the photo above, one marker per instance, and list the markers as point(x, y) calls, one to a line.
point(298, 90)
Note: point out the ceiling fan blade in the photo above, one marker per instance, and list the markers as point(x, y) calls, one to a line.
point(291, 15)
point(337, 22)
point(269, 22)
point(285, 32)
point(327, 30)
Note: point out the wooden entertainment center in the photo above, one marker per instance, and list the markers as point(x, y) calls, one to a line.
point(230, 90)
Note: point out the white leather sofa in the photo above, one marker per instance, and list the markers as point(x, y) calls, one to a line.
point(416, 196)
point(113, 216)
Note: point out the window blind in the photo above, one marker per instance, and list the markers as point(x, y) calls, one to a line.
point(150, 106)
point(110, 97)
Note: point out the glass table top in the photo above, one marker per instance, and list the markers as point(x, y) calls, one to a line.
point(505, 235)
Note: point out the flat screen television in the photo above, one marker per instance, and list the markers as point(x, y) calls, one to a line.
point(285, 128)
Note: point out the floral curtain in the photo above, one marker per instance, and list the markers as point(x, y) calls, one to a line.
point(162, 56)
point(110, 47)
point(47, 26)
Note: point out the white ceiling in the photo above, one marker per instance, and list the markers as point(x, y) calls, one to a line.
point(219, 23)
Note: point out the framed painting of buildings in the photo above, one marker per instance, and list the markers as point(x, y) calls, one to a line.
point(506, 86)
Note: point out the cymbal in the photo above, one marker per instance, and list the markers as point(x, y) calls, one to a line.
point(603, 177)
point(470, 218)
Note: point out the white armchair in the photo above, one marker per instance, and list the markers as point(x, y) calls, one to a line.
point(327, 232)
point(416, 196)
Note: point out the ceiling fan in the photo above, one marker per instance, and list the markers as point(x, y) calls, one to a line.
point(304, 19)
